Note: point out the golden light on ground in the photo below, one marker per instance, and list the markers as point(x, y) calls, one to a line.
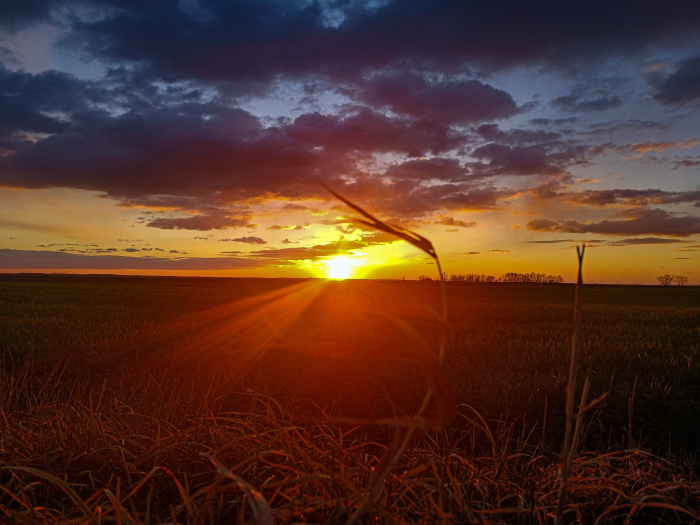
point(339, 268)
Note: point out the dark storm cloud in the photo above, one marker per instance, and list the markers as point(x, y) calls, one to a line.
point(184, 154)
point(452, 102)
point(257, 41)
point(408, 200)
point(113, 154)
point(680, 87)
point(634, 222)
point(539, 159)
point(202, 157)
point(524, 153)
point(364, 130)
point(43, 103)
point(160, 129)
point(16, 15)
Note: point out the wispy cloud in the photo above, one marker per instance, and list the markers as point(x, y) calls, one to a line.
point(635, 222)
point(247, 240)
point(449, 221)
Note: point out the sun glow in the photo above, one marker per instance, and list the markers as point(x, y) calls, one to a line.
point(339, 268)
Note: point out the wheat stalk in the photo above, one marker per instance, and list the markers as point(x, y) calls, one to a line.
point(438, 384)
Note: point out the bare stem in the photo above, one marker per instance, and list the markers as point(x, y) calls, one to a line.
point(380, 476)
point(568, 451)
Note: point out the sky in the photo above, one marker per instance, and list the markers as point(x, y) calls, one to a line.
point(195, 137)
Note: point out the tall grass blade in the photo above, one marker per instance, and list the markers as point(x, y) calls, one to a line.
point(413, 238)
point(568, 451)
point(258, 505)
point(630, 408)
point(62, 484)
point(437, 381)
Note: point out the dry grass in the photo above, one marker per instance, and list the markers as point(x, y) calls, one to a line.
point(76, 454)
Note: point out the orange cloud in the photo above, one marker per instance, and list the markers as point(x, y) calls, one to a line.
point(661, 147)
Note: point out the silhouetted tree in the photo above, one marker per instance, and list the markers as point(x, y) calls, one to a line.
point(511, 277)
point(680, 280)
point(665, 279)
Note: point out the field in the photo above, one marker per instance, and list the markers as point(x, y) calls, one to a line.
point(205, 400)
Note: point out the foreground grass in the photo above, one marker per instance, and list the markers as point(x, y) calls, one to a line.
point(156, 452)
point(117, 387)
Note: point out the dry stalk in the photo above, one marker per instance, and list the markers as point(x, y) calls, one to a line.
point(630, 407)
point(438, 385)
point(286, 459)
point(571, 434)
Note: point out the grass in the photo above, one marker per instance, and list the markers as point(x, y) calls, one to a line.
point(140, 462)
point(118, 386)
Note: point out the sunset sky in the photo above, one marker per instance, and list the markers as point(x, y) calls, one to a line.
point(190, 137)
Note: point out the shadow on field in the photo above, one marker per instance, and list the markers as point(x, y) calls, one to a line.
point(506, 355)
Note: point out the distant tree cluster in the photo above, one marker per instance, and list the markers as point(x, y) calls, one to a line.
point(537, 278)
point(471, 278)
point(510, 277)
point(667, 280)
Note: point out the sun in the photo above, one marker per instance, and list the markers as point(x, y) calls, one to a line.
point(339, 268)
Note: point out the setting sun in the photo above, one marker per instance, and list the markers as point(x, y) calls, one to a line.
point(339, 268)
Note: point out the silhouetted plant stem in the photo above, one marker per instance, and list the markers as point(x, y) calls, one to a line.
point(570, 439)
point(446, 413)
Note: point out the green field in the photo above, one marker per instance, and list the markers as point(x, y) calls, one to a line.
point(172, 352)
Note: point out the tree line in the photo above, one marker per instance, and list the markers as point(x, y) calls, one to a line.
point(537, 278)
point(668, 280)
point(510, 277)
